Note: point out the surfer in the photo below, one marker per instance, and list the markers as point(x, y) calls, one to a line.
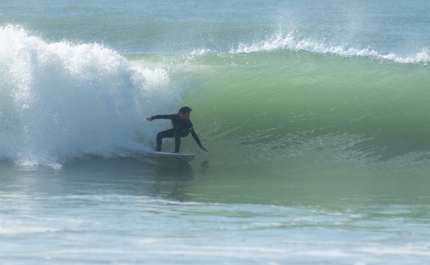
point(182, 126)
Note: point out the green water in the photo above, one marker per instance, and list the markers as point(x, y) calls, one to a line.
point(295, 127)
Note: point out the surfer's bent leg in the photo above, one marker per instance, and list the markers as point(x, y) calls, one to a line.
point(164, 134)
point(178, 135)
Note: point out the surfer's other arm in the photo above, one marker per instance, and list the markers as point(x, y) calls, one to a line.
point(196, 138)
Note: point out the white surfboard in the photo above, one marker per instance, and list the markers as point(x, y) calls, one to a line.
point(183, 157)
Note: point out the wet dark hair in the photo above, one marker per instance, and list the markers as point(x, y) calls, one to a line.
point(184, 109)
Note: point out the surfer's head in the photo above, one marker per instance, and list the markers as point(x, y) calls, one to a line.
point(184, 112)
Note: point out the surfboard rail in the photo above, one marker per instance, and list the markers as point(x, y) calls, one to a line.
point(183, 157)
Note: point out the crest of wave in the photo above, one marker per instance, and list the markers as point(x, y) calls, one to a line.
point(294, 43)
point(61, 100)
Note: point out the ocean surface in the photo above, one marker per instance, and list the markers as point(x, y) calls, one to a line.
point(316, 115)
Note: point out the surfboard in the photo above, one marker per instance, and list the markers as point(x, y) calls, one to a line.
point(183, 157)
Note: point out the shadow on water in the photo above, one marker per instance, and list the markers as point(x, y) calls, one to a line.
point(171, 177)
point(140, 176)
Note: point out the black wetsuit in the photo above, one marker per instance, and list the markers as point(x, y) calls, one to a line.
point(181, 128)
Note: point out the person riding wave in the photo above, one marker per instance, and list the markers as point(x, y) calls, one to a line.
point(182, 126)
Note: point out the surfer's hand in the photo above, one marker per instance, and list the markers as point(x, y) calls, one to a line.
point(204, 149)
point(149, 119)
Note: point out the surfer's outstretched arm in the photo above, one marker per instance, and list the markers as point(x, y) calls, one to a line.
point(157, 117)
point(196, 138)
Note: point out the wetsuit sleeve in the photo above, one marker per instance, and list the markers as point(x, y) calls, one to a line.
point(196, 138)
point(158, 117)
point(193, 133)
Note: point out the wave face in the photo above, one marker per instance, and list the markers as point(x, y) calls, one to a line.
point(278, 104)
point(62, 100)
point(286, 126)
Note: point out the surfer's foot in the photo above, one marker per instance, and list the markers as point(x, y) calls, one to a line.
point(158, 148)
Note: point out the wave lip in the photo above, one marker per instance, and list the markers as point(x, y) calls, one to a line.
point(294, 43)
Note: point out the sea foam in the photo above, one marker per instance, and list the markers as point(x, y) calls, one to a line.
point(292, 42)
point(62, 100)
